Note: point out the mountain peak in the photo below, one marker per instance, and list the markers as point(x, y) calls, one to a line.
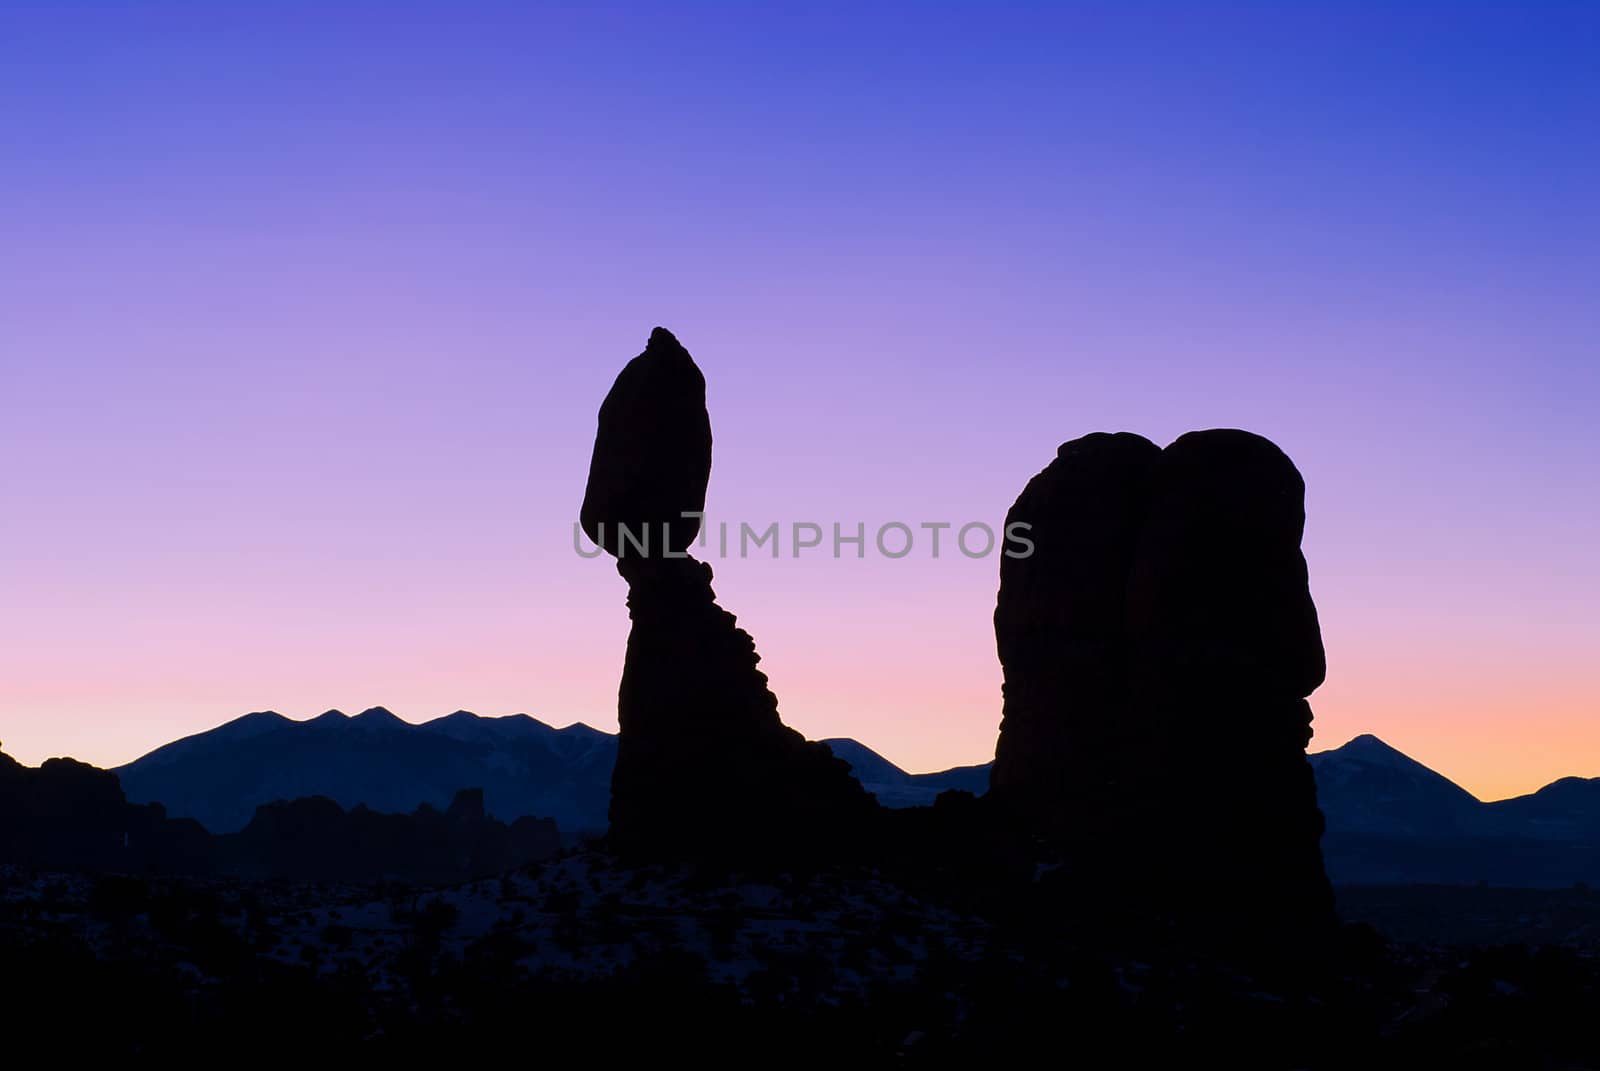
point(378, 719)
point(486, 729)
point(256, 721)
point(1369, 748)
point(868, 767)
point(1567, 788)
point(376, 714)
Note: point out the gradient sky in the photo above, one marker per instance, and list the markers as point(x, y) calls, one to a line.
point(306, 311)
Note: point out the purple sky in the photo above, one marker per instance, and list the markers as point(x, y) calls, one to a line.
point(306, 310)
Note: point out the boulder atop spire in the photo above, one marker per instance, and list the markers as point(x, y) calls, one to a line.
point(652, 455)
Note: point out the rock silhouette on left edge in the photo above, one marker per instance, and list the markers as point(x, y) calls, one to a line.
point(69, 814)
point(705, 767)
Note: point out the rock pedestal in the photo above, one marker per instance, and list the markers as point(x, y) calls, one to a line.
point(705, 766)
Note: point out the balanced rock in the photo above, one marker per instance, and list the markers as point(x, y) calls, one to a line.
point(652, 455)
point(705, 767)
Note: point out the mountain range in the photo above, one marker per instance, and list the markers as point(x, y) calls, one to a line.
point(524, 767)
point(1389, 818)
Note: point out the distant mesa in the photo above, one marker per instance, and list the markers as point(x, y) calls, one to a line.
point(69, 815)
point(315, 839)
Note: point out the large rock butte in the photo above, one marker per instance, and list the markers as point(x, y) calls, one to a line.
point(1225, 649)
point(1158, 647)
point(1069, 759)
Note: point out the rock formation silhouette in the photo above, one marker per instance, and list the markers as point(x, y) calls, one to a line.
point(652, 454)
point(1069, 759)
point(1158, 647)
point(314, 838)
point(1226, 648)
point(71, 815)
point(66, 813)
point(705, 766)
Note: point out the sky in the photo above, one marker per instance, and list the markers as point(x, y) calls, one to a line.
point(306, 310)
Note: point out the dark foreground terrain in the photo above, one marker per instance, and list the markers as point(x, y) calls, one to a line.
point(582, 956)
